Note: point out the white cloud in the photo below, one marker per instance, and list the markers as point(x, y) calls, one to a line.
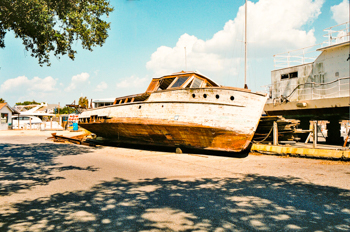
point(77, 79)
point(273, 26)
point(132, 85)
point(132, 82)
point(23, 89)
point(46, 85)
point(341, 12)
point(12, 84)
point(22, 83)
point(102, 86)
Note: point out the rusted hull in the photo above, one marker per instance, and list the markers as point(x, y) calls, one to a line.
point(165, 133)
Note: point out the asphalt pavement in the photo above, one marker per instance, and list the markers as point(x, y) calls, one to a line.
point(46, 186)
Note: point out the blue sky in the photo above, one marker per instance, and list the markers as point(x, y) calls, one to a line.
point(147, 39)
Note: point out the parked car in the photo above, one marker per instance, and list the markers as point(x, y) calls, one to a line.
point(20, 122)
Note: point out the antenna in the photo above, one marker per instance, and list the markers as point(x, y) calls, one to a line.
point(185, 59)
point(245, 47)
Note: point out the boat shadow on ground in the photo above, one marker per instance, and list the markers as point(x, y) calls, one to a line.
point(245, 203)
point(186, 150)
point(23, 166)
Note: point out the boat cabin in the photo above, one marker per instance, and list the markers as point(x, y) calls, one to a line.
point(170, 82)
point(180, 80)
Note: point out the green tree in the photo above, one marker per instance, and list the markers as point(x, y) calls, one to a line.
point(67, 110)
point(51, 26)
point(2, 100)
point(83, 102)
point(25, 103)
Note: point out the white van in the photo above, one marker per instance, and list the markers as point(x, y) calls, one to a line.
point(27, 122)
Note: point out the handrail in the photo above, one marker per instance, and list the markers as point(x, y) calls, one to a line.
point(317, 84)
point(342, 34)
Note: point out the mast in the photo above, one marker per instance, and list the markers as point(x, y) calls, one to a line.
point(185, 60)
point(245, 47)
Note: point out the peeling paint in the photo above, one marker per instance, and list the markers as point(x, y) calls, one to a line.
point(187, 117)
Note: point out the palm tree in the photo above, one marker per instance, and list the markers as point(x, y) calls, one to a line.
point(83, 102)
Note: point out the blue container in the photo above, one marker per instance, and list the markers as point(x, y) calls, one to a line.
point(75, 126)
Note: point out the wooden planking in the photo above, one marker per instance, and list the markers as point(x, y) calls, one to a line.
point(184, 117)
point(163, 132)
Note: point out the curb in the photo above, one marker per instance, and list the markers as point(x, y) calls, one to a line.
point(302, 152)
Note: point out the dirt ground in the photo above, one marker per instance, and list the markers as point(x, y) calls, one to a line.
point(45, 186)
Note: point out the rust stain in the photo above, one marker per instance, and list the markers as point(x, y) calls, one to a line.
point(169, 133)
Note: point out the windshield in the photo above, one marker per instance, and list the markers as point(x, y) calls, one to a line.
point(179, 82)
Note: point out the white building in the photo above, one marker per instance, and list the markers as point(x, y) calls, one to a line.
point(102, 102)
point(6, 113)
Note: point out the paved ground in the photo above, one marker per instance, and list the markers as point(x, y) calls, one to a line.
point(63, 187)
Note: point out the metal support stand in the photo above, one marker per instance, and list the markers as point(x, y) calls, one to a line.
point(314, 131)
point(275, 133)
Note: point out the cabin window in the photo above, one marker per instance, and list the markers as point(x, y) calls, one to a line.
point(196, 83)
point(164, 84)
point(208, 84)
point(189, 84)
point(289, 75)
point(179, 82)
point(152, 86)
point(4, 118)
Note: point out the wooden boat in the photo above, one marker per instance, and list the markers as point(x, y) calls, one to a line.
point(184, 109)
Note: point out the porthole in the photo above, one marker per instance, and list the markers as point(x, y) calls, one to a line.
point(139, 107)
point(204, 95)
point(217, 96)
point(232, 98)
point(193, 95)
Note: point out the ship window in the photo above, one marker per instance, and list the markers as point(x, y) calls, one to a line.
point(164, 84)
point(284, 76)
point(289, 75)
point(179, 82)
point(293, 74)
point(196, 83)
point(189, 84)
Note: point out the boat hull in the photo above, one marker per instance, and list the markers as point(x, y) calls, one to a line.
point(165, 133)
point(182, 118)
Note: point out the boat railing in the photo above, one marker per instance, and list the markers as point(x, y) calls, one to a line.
point(296, 57)
point(313, 91)
point(336, 34)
